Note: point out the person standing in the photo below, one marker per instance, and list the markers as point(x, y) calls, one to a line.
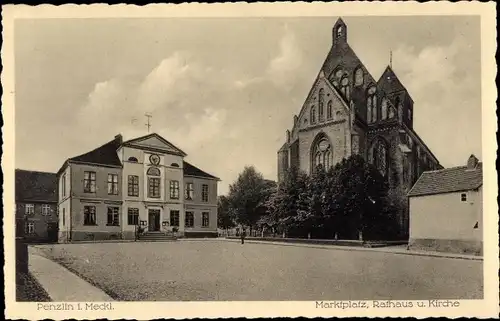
point(243, 232)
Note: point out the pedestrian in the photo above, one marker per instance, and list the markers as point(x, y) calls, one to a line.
point(243, 232)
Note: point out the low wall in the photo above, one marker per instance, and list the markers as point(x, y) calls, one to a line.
point(452, 246)
point(322, 241)
point(213, 234)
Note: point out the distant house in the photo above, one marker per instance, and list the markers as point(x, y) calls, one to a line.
point(446, 209)
point(109, 191)
point(36, 205)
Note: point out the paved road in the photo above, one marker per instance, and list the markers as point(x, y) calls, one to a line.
point(217, 270)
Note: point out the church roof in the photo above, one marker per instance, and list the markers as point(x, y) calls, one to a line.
point(389, 82)
point(35, 186)
point(455, 179)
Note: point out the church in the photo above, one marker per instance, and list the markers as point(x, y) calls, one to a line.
point(348, 112)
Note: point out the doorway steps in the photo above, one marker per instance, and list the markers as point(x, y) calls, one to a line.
point(157, 237)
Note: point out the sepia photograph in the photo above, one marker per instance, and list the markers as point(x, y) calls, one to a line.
point(334, 159)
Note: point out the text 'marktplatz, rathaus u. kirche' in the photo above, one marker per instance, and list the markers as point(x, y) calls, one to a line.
point(348, 112)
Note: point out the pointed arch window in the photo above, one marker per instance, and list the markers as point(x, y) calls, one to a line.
point(322, 154)
point(379, 156)
point(384, 108)
point(321, 101)
point(371, 105)
point(391, 112)
point(340, 31)
point(344, 83)
point(329, 110)
point(358, 77)
point(313, 115)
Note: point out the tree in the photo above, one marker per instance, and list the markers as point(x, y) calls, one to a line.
point(224, 219)
point(247, 197)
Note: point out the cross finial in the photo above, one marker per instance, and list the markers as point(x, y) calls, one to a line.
point(148, 116)
point(390, 59)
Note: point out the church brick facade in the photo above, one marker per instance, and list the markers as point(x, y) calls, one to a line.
point(348, 112)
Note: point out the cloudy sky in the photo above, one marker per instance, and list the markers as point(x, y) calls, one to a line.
point(225, 90)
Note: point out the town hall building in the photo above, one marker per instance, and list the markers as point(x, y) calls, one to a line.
point(145, 183)
point(348, 112)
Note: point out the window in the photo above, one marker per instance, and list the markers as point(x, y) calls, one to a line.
point(30, 209)
point(391, 112)
point(189, 221)
point(174, 218)
point(189, 191)
point(63, 185)
point(174, 165)
point(133, 160)
point(380, 156)
point(345, 87)
point(322, 152)
point(174, 189)
point(321, 107)
point(340, 31)
point(329, 110)
point(153, 187)
point(113, 216)
point(89, 215)
point(409, 114)
point(313, 115)
point(133, 216)
point(476, 226)
point(112, 184)
point(133, 185)
point(64, 217)
point(205, 219)
point(30, 227)
point(358, 77)
point(204, 193)
point(45, 209)
point(339, 73)
point(153, 171)
point(384, 108)
point(89, 182)
point(371, 105)
point(463, 197)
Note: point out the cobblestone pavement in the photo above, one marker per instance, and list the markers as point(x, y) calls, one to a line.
point(217, 270)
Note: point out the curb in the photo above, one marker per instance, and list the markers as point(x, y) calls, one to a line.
point(378, 250)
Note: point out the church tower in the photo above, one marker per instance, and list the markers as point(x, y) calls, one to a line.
point(339, 32)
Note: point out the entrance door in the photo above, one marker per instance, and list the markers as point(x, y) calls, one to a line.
point(154, 220)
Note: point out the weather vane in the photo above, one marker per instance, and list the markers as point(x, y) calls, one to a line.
point(148, 124)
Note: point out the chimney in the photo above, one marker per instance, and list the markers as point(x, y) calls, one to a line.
point(119, 138)
point(472, 162)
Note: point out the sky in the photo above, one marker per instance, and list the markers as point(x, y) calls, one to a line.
point(225, 90)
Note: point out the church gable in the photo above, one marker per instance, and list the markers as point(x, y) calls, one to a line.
point(155, 142)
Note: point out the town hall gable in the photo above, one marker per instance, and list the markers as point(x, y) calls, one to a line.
point(156, 143)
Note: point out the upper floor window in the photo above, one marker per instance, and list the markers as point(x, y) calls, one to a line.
point(329, 110)
point(358, 77)
point(384, 108)
point(204, 193)
point(153, 171)
point(63, 184)
point(340, 31)
point(45, 209)
point(29, 209)
point(89, 217)
point(463, 197)
point(153, 187)
point(174, 218)
point(313, 115)
point(189, 220)
point(189, 191)
point(113, 216)
point(174, 189)
point(205, 219)
point(113, 184)
point(321, 102)
point(133, 185)
point(89, 182)
point(133, 160)
point(371, 105)
point(174, 165)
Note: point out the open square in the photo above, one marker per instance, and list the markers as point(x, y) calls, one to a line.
point(209, 270)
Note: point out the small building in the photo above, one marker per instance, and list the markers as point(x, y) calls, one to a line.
point(446, 209)
point(36, 206)
point(107, 193)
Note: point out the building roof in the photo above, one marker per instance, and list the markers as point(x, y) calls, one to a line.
point(191, 170)
point(155, 135)
point(35, 186)
point(103, 155)
point(448, 180)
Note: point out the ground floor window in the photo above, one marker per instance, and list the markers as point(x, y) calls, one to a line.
point(89, 215)
point(133, 216)
point(30, 228)
point(174, 218)
point(113, 216)
point(205, 219)
point(189, 222)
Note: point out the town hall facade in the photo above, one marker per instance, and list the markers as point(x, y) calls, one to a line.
point(348, 112)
